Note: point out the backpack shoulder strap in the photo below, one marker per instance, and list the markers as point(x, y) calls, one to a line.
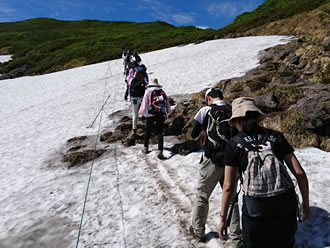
point(242, 141)
point(162, 91)
point(152, 95)
point(264, 138)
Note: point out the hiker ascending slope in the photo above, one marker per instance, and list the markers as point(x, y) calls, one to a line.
point(126, 62)
point(155, 107)
point(212, 119)
point(136, 85)
point(269, 200)
point(135, 60)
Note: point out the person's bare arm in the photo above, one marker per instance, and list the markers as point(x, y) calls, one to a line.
point(227, 192)
point(299, 173)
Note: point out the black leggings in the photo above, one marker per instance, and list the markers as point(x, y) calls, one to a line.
point(154, 123)
point(277, 232)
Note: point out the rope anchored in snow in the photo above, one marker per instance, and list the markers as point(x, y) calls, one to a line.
point(91, 169)
point(118, 180)
point(89, 180)
point(91, 125)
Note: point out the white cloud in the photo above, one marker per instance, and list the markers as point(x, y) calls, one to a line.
point(158, 10)
point(167, 13)
point(202, 27)
point(182, 18)
point(232, 8)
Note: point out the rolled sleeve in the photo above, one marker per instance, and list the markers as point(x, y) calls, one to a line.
point(201, 114)
point(145, 103)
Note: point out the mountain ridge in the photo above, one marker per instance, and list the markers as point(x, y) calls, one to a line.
point(46, 45)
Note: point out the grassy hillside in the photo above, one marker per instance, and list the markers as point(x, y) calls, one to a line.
point(269, 11)
point(312, 25)
point(51, 45)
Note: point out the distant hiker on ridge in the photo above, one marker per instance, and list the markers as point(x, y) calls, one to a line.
point(155, 107)
point(213, 119)
point(135, 60)
point(126, 62)
point(136, 86)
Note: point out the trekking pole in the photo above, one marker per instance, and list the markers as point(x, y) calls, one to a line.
point(99, 112)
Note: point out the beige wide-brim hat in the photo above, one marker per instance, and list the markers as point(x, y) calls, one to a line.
point(242, 105)
point(154, 82)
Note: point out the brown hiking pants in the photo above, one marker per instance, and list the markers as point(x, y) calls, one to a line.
point(209, 175)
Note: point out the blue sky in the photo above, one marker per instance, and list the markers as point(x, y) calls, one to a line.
point(201, 13)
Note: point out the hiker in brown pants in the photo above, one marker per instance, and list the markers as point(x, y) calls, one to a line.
point(211, 170)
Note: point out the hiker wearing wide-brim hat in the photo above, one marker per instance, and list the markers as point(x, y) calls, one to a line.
point(272, 197)
point(241, 106)
point(154, 83)
point(155, 107)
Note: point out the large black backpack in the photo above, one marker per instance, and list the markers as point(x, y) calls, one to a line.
point(219, 132)
point(137, 87)
point(158, 103)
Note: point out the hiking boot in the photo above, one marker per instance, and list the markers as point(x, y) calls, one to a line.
point(146, 150)
point(200, 239)
point(161, 155)
point(134, 135)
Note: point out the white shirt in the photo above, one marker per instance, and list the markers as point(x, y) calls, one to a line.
point(200, 116)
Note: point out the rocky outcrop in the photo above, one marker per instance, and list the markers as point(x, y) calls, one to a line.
point(292, 86)
point(80, 157)
point(316, 111)
point(18, 72)
point(79, 150)
point(312, 25)
point(292, 82)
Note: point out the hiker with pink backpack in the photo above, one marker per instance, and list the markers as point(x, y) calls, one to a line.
point(155, 108)
point(136, 85)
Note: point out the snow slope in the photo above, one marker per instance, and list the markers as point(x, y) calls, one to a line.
point(134, 200)
point(5, 58)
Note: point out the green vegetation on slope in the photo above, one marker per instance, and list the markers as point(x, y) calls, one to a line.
point(269, 11)
point(51, 45)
